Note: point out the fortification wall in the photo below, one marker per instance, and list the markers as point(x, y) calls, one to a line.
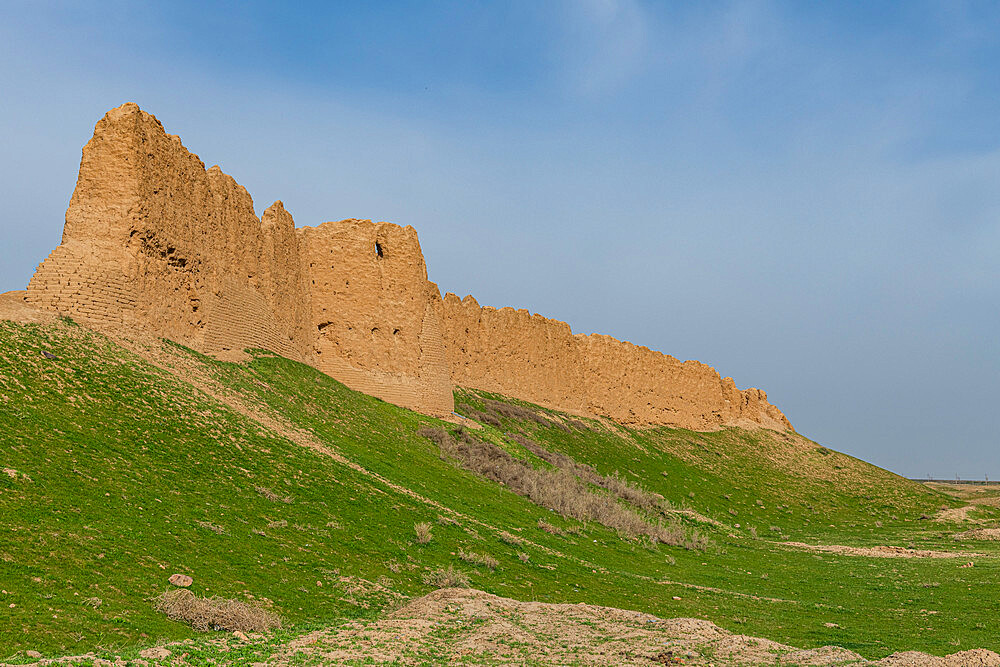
point(515, 353)
point(154, 241)
point(375, 325)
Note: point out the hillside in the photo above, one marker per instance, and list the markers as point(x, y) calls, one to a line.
point(270, 482)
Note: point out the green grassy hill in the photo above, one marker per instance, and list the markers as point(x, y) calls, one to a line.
point(272, 483)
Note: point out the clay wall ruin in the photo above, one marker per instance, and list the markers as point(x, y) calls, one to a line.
point(516, 353)
point(153, 241)
point(375, 325)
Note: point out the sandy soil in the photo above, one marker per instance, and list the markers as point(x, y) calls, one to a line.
point(458, 624)
point(882, 551)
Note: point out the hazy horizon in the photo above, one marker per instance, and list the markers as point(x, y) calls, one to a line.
point(804, 197)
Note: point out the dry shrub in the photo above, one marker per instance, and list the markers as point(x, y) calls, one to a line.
point(625, 490)
point(510, 538)
point(423, 531)
point(485, 560)
point(549, 528)
point(207, 525)
point(281, 523)
point(479, 415)
point(560, 490)
point(272, 496)
point(523, 557)
point(450, 578)
point(493, 410)
point(214, 613)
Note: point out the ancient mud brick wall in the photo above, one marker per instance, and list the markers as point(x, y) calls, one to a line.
point(156, 242)
point(153, 238)
point(376, 327)
point(515, 353)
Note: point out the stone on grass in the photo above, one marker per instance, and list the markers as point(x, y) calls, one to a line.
point(155, 653)
point(181, 580)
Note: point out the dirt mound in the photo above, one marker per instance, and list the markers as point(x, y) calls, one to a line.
point(473, 627)
point(480, 627)
point(13, 307)
point(974, 658)
point(983, 534)
point(882, 551)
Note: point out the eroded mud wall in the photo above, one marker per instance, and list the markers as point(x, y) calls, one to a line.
point(156, 242)
point(515, 353)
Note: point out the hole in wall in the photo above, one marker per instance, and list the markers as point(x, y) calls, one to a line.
point(378, 249)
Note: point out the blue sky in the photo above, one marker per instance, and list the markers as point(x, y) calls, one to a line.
point(804, 195)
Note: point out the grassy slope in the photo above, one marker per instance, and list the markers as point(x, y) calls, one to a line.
point(124, 470)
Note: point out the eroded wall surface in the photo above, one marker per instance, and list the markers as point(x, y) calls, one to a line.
point(156, 242)
point(376, 327)
point(516, 353)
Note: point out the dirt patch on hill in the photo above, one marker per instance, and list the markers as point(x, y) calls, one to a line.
point(983, 534)
point(977, 495)
point(882, 551)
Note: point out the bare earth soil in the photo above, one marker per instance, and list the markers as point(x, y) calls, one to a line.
point(881, 551)
point(471, 627)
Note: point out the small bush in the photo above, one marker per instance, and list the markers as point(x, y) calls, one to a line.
point(510, 538)
point(562, 490)
point(523, 557)
point(478, 415)
point(214, 613)
point(272, 496)
point(423, 531)
point(450, 578)
point(485, 560)
point(207, 525)
point(549, 528)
